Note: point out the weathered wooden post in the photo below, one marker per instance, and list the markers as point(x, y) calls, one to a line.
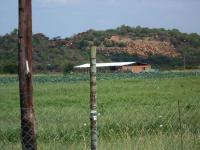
point(25, 75)
point(93, 101)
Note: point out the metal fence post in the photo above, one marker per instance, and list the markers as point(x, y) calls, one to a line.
point(93, 102)
point(25, 75)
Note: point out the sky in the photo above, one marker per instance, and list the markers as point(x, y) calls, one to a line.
point(68, 17)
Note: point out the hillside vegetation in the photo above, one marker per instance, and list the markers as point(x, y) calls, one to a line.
point(160, 47)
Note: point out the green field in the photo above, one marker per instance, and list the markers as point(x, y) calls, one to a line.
point(135, 112)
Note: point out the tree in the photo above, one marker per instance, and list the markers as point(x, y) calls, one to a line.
point(14, 32)
point(68, 68)
point(81, 44)
point(187, 51)
point(10, 68)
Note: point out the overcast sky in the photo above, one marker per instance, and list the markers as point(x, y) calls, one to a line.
point(67, 17)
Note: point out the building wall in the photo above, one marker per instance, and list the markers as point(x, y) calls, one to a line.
point(136, 68)
point(140, 68)
point(126, 68)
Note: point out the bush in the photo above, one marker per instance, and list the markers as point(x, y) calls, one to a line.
point(81, 44)
point(10, 68)
point(68, 68)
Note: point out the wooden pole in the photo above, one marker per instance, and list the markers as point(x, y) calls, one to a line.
point(93, 102)
point(25, 75)
point(184, 61)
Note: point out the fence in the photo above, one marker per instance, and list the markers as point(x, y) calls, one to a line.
point(147, 111)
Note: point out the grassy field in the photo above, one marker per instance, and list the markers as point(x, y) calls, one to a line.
point(134, 113)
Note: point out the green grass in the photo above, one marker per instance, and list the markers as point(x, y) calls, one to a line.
point(135, 113)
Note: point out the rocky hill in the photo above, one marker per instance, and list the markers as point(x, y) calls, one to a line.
point(143, 48)
point(162, 48)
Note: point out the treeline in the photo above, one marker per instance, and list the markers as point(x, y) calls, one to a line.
point(188, 45)
point(177, 38)
point(49, 55)
point(57, 55)
point(46, 56)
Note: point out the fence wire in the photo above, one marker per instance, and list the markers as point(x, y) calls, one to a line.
point(129, 116)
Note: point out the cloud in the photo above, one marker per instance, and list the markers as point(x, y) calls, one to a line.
point(59, 1)
point(81, 1)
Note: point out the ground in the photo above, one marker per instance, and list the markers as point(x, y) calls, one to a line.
point(135, 112)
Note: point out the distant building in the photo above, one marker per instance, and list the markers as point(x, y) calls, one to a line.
point(134, 67)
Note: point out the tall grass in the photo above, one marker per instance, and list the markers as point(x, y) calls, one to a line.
point(134, 113)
